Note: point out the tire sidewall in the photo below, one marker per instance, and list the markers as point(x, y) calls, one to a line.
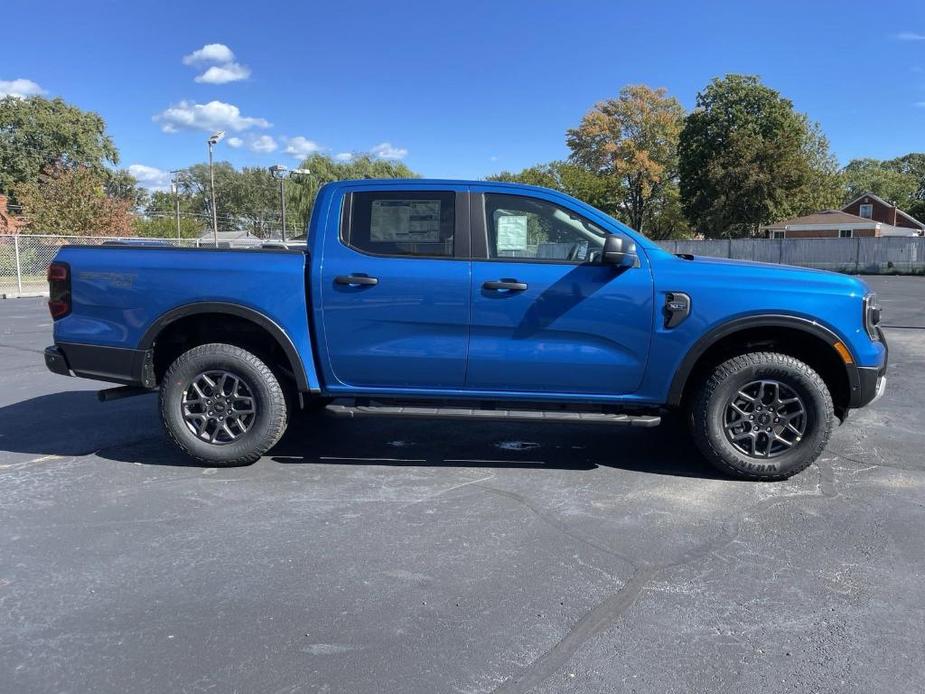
point(817, 420)
point(178, 380)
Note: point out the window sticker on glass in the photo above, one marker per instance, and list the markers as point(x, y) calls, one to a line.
point(405, 220)
point(512, 233)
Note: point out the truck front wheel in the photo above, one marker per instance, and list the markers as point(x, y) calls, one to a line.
point(763, 416)
point(222, 406)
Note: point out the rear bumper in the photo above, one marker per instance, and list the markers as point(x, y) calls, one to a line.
point(56, 362)
point(131, 367)
point(871, 380)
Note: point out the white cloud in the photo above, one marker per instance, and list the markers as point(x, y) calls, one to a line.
point(150, 177)
point(210, 53)
point(19, 88)
point(910, 36)
point(300, 147)
point(385, 150)
point(235, 142)
point(220, 58)
point(222, 74)
point(263, 144)
point(215, 115)
point(343, 156)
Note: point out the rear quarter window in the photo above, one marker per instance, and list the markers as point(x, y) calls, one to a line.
point(401, 223)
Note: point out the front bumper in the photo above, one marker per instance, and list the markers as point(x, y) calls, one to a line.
point(871, 380)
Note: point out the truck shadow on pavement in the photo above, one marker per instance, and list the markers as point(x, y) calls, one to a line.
point(75, 424)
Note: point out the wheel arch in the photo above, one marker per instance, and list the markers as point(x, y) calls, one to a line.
point(807, 340)
point(207, 309)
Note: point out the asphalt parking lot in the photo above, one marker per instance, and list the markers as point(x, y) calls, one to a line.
point(387, 555)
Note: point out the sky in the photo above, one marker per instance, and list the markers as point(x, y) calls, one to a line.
point(454, 90)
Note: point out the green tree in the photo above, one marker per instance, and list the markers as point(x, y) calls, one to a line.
point(36, 133)
point(633, 140)
point(164, 226)
point(882, 178)
point(747, 157)
point(301, 190)
point(73, 201)
point(121, 184)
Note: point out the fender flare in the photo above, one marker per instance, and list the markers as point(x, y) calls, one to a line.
point(272, 327)
point(810, 327)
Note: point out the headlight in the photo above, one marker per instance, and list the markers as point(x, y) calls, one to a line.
point(871, 316)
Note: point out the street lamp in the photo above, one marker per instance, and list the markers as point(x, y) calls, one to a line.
point(278, 171)
point(178, 174)
point(281, 173)
point(214, 140)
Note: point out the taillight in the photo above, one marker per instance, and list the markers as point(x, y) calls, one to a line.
point(59, 290)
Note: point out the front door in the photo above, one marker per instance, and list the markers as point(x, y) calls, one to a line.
point(547, 316)
point(395, 290)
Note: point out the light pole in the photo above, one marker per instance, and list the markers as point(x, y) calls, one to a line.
point(280, 172)
point(214, 140)
point(175, 186)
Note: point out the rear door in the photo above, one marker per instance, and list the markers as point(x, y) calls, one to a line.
point(547, 316)
point(395, 289)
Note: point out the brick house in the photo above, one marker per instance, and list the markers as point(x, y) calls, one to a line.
point(9, 223)
point(867, 215)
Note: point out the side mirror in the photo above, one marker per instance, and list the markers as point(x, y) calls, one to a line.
point(618, 251)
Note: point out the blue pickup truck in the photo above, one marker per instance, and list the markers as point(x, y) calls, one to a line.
point(435, 298)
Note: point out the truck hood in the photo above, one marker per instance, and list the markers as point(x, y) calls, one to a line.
point(764, 274)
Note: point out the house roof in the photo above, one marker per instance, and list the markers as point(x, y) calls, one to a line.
point(828, 219)
point(877, 198)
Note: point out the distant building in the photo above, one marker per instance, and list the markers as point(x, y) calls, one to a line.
point(9, 223)
point(867, 215)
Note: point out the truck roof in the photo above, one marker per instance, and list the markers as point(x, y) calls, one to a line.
point(499, 185)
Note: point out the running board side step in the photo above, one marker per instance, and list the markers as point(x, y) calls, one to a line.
point(511, 415)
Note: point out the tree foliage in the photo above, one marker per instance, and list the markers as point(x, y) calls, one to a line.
point(301, 190)
point(572, 179)
point(73, 201)
point(747, 158)
point(881, 178)
point(633, 140)
point(37, 133)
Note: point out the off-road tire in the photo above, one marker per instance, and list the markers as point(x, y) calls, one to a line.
point(712, 397)
point(270, 419)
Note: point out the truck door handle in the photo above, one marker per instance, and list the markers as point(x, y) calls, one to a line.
point(356, 280)
point(510, 285)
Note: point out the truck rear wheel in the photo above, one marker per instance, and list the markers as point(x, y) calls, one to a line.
point(222, 406)
point(762, 416)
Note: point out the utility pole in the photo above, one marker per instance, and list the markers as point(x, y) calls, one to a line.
point(280, 172)
point(214, 140)
point(176, 195)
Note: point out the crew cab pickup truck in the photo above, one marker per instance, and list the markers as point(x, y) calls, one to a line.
point(439, 298)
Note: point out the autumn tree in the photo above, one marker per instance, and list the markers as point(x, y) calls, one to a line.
point(633, 141)
point(746, 157)
point(37, 133)
point(73, 201)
